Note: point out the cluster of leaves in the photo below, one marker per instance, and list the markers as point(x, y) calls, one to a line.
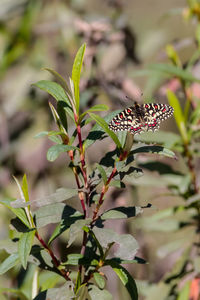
point(115, 168)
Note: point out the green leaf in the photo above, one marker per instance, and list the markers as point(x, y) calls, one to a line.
point(9, 263)
point(76, 71)
point(96, 133)
point(73, 259)
point(178, 115)
point(126, 279)
point(56, 150)
point(19, 212)
point(102, 172)
point(55, 213)
point(105, 127)
point(175, 71)
point(25, 188)
point(122, 212)
point(54, 89)
point(167, 139)
point(128, 246)
point(99, 280)
point(55, 139)
point(59, 78)
point(69, 217)
point(95, 293)
point(62, 293)
point(76, 229)
point(24, 246)
point(62, 114)
point(154, 149)
point(60, 195)
point(98, 107)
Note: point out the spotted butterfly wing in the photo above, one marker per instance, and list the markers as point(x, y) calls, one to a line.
point(139, 118)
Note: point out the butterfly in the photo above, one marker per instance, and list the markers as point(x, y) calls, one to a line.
point(140, 118)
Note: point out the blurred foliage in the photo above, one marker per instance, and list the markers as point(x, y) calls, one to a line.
point(122, 39)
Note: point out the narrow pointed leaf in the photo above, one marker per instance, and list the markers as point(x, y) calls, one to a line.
point(9, 263)
point(98, 107)
point(24, 246)
point(56, 150)
point(25, 188)
point(178, 115)
point(59, 78)
point(76, 71)
point(106, 129)
point(122, 212)
point(126, 279)
point(102, 172)
point(54, 89)
point(19, 212)
point(154, 149)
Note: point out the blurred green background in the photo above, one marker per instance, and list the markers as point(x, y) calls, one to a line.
point(123, 38)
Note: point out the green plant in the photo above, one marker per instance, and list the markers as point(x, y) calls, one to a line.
point(82, 272)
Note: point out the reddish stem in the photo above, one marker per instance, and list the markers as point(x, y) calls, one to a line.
point(80, 194)
point(104, 190)
point(54, 259)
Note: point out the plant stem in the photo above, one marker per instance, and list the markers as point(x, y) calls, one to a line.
point(104, 190)
point(56, 262)
point(80, 194)
point(83, 168)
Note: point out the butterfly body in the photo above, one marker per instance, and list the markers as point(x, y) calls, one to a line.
point(141, 118)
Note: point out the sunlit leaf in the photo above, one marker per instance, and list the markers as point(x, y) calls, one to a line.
point(59, 78)
point(9, 263)
point(102, 172)
point(96, 293)
point(122, 212)
point(76, 229)
point(19, 212)
point(73, 259)
point(56, 150)
point(76, 71)
point(126, 279)
point(63, 292)
point(127, 245)
point(178, 115)
point(100, 280)
point(54, 89)
point(98, 107)
point(154, 149)
point(105, 127)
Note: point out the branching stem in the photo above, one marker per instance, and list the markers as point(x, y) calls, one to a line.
point(56, 262)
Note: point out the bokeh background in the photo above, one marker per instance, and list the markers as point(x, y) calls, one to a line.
point(124, 38)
